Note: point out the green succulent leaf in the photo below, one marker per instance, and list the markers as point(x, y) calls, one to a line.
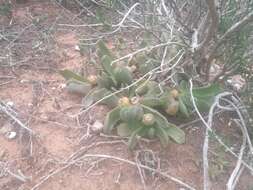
point(175, 133)
point(183, 109)
point(162, 135)
point(123, 75)
point(102, 18)
point(151, 133)
point(104, 50)
point(203, 96)
point(131, 114)
point(75, 86)
point(67, 74)
point(152, 101)
point(97, 94)
point(138, 59)
point(105, 81)
point(207, 91)
point(153, 89)
point(147, 66)
point(124, 130)
point(142, 89)
point(160, 119)
point(133, 138)
point(106, 64)
point(111, 119)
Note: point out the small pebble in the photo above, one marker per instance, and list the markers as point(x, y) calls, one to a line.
point(44, 117)
point(30, 105)
point(62, 86)
point(10, 103)
point(24, 81)
point(77, 48)
point(97, 127)
point(11, 135)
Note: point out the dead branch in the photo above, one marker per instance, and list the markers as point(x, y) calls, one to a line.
point(8, 111)
point(212, 13)
point(237, 26)
point(141, 166)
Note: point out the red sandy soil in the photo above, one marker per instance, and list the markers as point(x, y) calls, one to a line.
point(41, 102)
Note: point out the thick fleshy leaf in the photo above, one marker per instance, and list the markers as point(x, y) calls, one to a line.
point(105, 81)
point(124, 130)
point(142, 88)
point(183, 109)
point(203, 96)
point(138, 59)
point(151, 101)
point(111, 119)
point(106, 64)
point(101, 18)
point(151, 133)
point(133, 140)
point(147, 66)
point(104, 50)
point(89, 99)
point(210, 90)
point(162, 135)
point(123, 75)
point(175, 133)
point(160, 119)
point(97, 94)
point(75, 86)
point(67, 74)
point(153, 88)
point(111, 101)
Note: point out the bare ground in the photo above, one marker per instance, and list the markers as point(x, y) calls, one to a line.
point(34, 47)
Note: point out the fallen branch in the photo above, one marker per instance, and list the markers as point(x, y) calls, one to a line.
point(7, 110)
point(236, 172)
point(208, 126)
point(141, 166)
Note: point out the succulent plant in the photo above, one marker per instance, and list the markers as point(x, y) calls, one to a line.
point(144, 121)
point(112, 76)
point(139, 110)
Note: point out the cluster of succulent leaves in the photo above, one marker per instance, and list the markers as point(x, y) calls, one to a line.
point(5, 8)
point(140, 108)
